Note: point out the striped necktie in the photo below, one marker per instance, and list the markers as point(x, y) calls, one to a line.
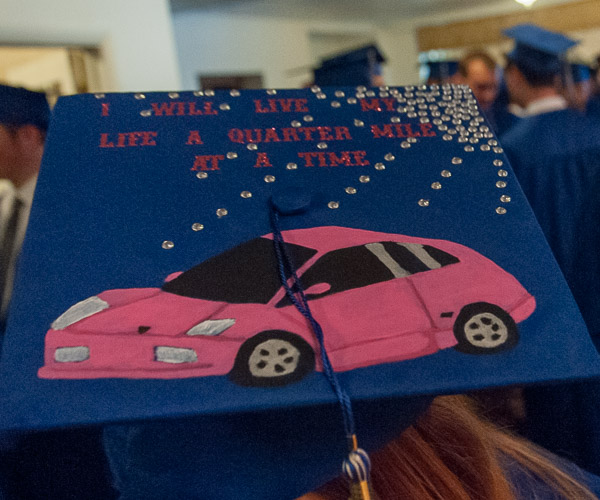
point(7, 250)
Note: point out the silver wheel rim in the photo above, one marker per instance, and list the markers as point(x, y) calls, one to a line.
point(486, 330)
point(274, 358)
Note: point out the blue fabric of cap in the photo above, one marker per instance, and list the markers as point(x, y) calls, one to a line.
point(537, 49)
point(19, 106)
point(580, 72)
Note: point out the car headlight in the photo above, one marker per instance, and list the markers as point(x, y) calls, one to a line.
point(79, 311)
point(211, 327)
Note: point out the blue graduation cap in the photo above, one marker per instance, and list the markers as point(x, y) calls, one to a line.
point(355, 67)
point(280, 269)
point(580, 72)
point(441, 71)
point(19, 106)
point(537, 50)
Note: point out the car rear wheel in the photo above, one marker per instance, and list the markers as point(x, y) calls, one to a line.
point(483, 328)
point(272, 358)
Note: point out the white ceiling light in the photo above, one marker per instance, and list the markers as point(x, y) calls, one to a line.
point(526, 3)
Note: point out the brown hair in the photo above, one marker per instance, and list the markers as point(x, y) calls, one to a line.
point(453, 454)
point(463, 64)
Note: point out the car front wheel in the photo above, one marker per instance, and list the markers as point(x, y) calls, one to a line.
point(272, 358)
point(483, 328)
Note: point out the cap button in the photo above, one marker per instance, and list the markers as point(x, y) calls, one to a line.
point(292, 201)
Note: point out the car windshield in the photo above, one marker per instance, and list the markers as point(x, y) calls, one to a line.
point(244, 274)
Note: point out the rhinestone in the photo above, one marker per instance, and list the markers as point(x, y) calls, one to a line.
point(412, 140)
point(370, 93)
point(146, 112)
point(139, 96)
point(502, 173)
point(446, 173)
point(411, 115)
point(500, 184)
point(462, 138)
point(379, 166)
point(198, 93)
point(485, 147)
point(364, 179)
point(252, 147)
point(291, 166)
point(314, 89)
point(197, 226)
point(384, 94)
point(501, 210)
point(423, 202)
point(350, 190)
point(269, 178)
point(447, 137)
point(308, 118)
point(234, 93)
point(498, 163)
point(225, 107)
point(339, 93)
point(469, 149)
point(99, 96)
point(473, 140)
point(335, 104)
point(505, 198)
point(498, 150)
point(222, 212)
point(167, 245)
point(436, 185)
point(202, 175)
point(360, 95)
point(389, 157)
point(333, 204)
point(352, 100)
point(173, 95)
point(443, 128)
point(296, 124)
point(271, 91)
point(361, 88)
point(456, 160)
point(405, 144)
point(437, 121)
point(232, 156)
point(359, 123)
point(493, 142)
point(321, 95)
point(395, 119)
point(209, 93)
point(322, 145)
point(424, 120)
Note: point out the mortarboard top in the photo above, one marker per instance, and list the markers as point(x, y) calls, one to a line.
point(19, 106)
point(419, 258)
point(442, 70)
point(355, 67)
point(538, 50)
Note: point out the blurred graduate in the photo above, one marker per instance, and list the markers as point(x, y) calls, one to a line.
point(555, 153)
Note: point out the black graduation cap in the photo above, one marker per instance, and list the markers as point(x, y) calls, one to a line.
point(538, 50)
point(286, 269)
point(19, 106)
point(355, 67)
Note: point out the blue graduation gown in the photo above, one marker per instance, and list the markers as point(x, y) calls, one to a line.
point(556, 158)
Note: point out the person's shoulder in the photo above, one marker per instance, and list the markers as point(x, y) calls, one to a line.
point(526, 484)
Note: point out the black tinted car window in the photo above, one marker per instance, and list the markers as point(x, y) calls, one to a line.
point(244, 274)
point(343, 269)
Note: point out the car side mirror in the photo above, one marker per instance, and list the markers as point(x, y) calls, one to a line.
point(172, 276)
point(318, 289)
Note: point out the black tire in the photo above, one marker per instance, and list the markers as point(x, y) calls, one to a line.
point(483, 328)
point(272, 358)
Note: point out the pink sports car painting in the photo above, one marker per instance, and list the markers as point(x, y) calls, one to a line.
point(379, 297)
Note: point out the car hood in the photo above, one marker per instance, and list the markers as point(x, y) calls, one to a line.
point(149, 311)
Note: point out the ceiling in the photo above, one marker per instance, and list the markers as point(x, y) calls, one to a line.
point(346, 9)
